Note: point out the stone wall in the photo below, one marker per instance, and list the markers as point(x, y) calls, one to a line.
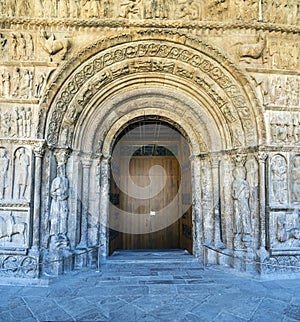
point(73, 73)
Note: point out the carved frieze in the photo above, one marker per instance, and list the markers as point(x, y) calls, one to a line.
point(284, 128)
point(17, 121)
point(19, 266)
point(17, 46)
point(245, 10)
point(278, 90)
point(19, 83)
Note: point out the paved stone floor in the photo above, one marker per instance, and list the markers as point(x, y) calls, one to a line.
point(153, 287)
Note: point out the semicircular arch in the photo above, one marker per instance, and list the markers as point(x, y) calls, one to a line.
point(172, 61)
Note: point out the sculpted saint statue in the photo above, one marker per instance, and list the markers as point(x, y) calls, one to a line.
point(240, 195)
point(4, 164)
point(59, 206)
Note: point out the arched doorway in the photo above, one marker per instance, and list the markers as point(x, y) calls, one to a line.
point(190, 86)
point(150, 188)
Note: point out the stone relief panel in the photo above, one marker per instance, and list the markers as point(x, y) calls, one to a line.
point(284, 231)
point(22, 83)
point(281, 91)
point(283, 54)
point(262, 50)
point(19, 266)
point(4, 168)
point(15, 170)
point(278, 180)
point(281, 11)
point(284, 128)
point(22, 171)
point(14, 228)
point(284, 180)
point(17, 46)
point(56, 46)
point(18, 121)
point(295, 179)
point(246, 10)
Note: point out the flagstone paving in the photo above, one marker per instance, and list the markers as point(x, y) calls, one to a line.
point(154, 286)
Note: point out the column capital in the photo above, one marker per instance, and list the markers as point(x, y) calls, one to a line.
point(86, 163)
point(262, 156)
point(39, 149)
point(62, 155)
point(239, 158)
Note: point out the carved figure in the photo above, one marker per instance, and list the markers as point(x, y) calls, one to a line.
point(3, 42)
point(28, 122)
point(62, 8)
point(253, 51)
point(20, 118)
point(40, 85)
point(189, 10)
point(13, 46)
point(73, 9)
point(295, 179)
point(59, 206)
point(4, 164)
point(39, 8)
point(54, 46)
point(9, 228)
point(21, 46)
point(279, 171)
point(29, 47)
point(26, 84)
point(6, 125)
point(90, 8)
point(283, 234)
point(130, 9)
point(6, 84)
point(22, 172)
point(49, 8)
point(240, 195)
point(16, 83)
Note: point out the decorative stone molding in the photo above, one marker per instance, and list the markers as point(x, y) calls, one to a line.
point(179, 61)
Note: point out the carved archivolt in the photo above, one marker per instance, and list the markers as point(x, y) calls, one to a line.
point(142, 55)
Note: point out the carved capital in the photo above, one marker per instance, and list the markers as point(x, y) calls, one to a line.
point(239, 159)
point(39, 149)
point(62, 155)
point(262, 156)
point(86, 163)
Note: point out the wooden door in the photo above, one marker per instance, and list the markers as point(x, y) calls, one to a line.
point(146, 208)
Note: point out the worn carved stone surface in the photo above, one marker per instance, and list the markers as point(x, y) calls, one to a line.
point(75, 73)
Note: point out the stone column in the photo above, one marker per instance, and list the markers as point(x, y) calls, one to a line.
point(104, 206)
point(262, 157)
point(216, 201)
point(198, 249)
point(86, 165)
point(260, 10)
point(58, 258)
point(243, 239)
point(38, 150)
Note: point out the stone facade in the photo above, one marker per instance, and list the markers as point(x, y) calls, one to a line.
point(74, 73)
